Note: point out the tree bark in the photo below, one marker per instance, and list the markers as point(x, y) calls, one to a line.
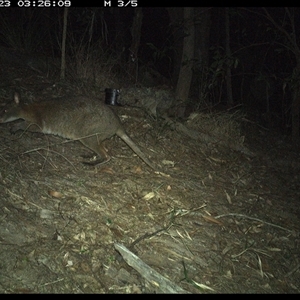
point(135, 42)
point(292, 45)
point(202, 29)
point(202, 44)
point(187, 61)
point(63, 46)
point(176, 24)
point(295, 108)
point(228, 55)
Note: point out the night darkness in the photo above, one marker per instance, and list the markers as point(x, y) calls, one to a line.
point(263, 59)
point(149, 150)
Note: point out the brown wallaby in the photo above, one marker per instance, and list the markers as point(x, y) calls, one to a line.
point(78, 118)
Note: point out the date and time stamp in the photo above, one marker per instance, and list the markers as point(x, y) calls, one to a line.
point(63, 3)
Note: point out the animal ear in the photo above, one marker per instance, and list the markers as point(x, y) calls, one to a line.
point(17, 98)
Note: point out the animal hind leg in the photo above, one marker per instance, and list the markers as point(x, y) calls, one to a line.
point(98, 147)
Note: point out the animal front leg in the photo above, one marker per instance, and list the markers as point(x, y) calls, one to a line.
point(25, 126)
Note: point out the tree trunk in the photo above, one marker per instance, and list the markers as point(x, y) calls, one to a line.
point(295, 108)
point(135, 42)
point(187, 60)
point(176, 25)
point(202, 29)
point(202, 44)
point(63, 46)
point(292, 45)
point(228, 55)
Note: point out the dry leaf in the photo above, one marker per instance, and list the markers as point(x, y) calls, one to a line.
point(107, 170)
point(138, 170)
point(228, 197)
point(55, 194)
point(149, 196)
point(212, 220)
point(218, 160)
point(168, 163)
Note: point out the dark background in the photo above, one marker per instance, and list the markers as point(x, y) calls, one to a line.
point(263, 62)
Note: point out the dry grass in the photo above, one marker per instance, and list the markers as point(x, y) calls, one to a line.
point(223, 222)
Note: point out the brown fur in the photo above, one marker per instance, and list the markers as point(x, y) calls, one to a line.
point(78, 118)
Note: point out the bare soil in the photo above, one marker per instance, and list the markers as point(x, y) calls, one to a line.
point(221, 222)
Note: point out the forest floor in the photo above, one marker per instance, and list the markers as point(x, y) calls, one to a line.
point(216, 221)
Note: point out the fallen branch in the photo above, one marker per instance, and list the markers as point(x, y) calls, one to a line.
point(163, 284)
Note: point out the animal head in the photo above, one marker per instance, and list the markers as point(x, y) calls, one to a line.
point(11, 111)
